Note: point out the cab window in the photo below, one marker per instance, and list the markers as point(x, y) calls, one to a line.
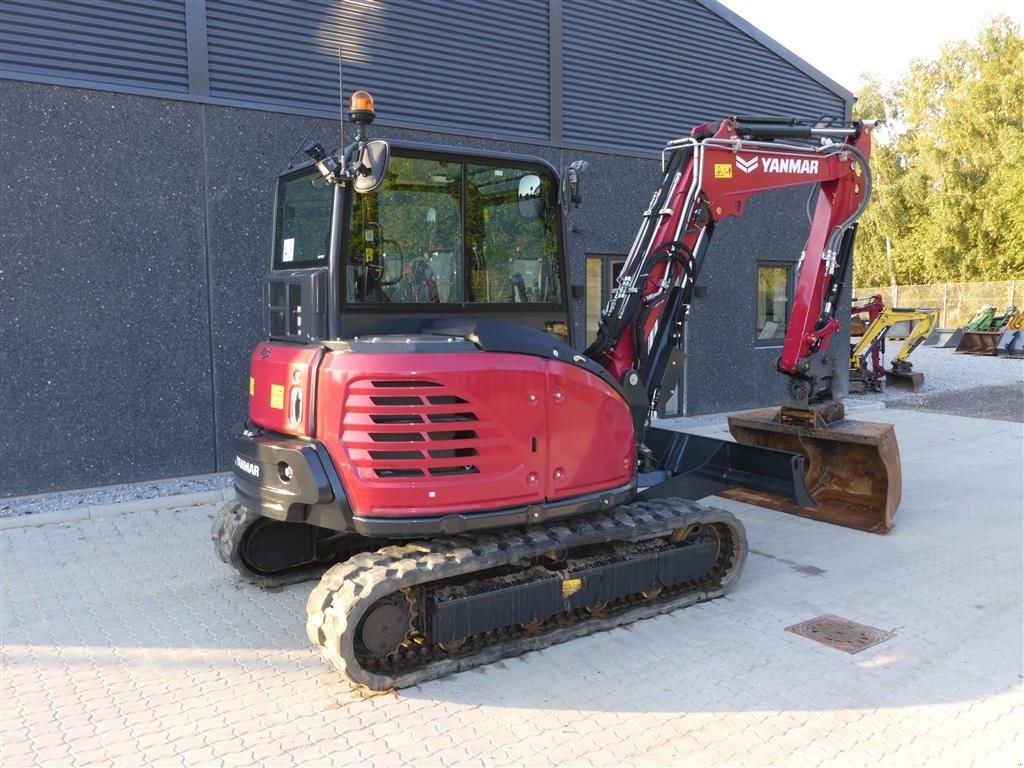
point(444, 232)
point(302, 222)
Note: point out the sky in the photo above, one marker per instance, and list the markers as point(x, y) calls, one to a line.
point(877, 36)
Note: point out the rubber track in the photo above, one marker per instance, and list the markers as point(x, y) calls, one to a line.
point(232, 521)
point(349, 589)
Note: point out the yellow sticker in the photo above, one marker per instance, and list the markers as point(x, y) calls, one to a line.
point(723, 170)
point(252, 386)
point(277, 396)
point(571, 587)
point(856, 168)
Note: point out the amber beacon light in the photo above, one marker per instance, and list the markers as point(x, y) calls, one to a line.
point(360, 107)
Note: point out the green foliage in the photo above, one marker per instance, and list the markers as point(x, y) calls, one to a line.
point(948, 166)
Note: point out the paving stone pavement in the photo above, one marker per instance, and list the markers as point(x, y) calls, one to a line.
point(124, 642)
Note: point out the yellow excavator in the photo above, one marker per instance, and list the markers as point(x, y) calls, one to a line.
point(865, 377)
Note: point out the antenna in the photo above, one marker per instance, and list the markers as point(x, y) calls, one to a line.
point(341, 108)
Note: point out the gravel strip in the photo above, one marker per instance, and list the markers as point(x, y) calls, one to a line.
point(1002, 402)
point(112, 494)
point(963, 385)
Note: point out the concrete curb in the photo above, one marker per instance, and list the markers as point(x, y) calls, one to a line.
point(103, 511)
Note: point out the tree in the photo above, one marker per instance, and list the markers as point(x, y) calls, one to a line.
point(948, 170)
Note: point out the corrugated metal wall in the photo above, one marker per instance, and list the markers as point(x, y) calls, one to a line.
point(137, 43)
point(481, 67)
point(640, 74)
point(633, 74)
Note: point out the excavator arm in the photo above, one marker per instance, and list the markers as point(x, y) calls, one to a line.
point(710, 176)
point(924, 321)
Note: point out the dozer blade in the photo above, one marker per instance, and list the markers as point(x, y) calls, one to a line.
point(1012, 343)
point(946, 337)
point(908, 381)
point(853, 470)
point(979, 343)
point(696, 466)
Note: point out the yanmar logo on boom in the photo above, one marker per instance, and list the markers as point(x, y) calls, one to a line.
point(777, 164)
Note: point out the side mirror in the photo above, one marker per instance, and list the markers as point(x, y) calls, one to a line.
point(371, 166)
point(574, 181)
point(529, 196)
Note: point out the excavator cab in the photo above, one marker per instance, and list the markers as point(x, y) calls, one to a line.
point(442, 235)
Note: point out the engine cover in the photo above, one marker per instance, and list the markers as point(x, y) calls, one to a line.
point(419, 433)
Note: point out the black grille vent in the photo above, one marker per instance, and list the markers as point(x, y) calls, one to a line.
point(450, 453)
point(396, 400)
point(397, 455)
point(396, 437)
point(399, 472)
point(469, 469)
point(403, 429)
point(445, 400)
point(459, 434)
point(409, 383)
point(442, 418)
point(395, 418)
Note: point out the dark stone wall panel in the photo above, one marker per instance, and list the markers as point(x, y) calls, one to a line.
point(104, 347)
point(245, 151)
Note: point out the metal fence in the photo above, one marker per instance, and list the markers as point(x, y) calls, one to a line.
point(956, 302)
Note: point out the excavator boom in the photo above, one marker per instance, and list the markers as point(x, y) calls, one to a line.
point(709, 176)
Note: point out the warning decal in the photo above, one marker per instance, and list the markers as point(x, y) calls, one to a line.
point(277, 396)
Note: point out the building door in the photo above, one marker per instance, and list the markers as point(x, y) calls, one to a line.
point(602, 276)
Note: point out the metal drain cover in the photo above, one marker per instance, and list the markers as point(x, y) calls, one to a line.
point(842, 634)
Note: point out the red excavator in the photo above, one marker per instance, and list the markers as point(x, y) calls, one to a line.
point(420, 417)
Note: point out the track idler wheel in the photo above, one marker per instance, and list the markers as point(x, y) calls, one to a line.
point(269, 553)
point(385, 627)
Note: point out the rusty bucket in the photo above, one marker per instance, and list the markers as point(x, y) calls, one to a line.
point(853, 467)
point(979, 343)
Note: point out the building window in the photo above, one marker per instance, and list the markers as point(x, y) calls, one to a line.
point(773, 300)
point(602, 278)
